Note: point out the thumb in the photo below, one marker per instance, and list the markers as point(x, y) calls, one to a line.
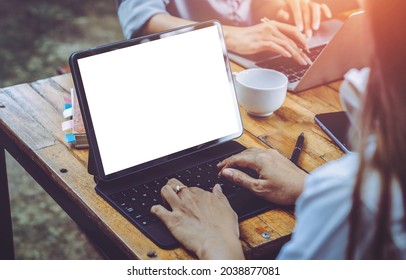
point(238, 177)
point(161, 212)
point(218, 191)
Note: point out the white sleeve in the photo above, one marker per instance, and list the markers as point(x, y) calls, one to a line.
point(352, 90)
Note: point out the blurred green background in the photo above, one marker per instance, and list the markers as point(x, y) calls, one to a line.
point(37, 37)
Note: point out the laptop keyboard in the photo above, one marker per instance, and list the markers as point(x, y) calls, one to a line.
point(293, 70)
point(136, 201)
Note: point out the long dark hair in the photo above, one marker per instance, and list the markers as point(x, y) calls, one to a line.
point(383, 115)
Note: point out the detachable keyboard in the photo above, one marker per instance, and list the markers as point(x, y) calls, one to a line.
point(293, 70)
point(136, 201)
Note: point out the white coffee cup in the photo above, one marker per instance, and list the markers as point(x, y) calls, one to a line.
point(260, 91)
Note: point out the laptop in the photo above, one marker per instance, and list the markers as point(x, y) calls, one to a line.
point(159, 107)
point(334, 49)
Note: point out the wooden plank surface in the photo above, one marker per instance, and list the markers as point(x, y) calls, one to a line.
point(24, 129)
point(33, 114)
point(281, 129)
point(335, 85)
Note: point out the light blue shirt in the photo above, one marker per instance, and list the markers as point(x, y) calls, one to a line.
point(134, 14)
point(322, 213)
point(323, 209)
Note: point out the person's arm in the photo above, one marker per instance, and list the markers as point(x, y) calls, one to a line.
point(161, 22)
point(134, 15)
point(271, 36)
point(146, 17)
point(205, 223)
point(321, 229)
point(279, 181)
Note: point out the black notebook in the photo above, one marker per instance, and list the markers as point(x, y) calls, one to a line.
point(172, 104)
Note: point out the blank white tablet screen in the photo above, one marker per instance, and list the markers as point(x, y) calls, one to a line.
point(154, 99)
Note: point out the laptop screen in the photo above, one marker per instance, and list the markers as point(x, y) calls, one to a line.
point(157, 96)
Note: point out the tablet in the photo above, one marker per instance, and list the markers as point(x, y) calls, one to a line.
point(336, 125)
point(153, 99)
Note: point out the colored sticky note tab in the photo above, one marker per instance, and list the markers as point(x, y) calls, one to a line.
point(67, 106)
point(70, 138)
point(66, 125)
point(68, 113)
point(67, 100)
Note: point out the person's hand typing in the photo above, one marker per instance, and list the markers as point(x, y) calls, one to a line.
point(278, 37)
point(280, 181)
point(202, 221)
point(305, 14)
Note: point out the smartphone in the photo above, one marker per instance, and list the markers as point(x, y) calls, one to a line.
point(336, 125)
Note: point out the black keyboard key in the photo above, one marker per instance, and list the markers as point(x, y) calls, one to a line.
point(148, 219)
point(129, 209)
point(138, 200)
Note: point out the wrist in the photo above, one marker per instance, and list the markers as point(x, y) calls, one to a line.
point(221, 248)
point(230, 38)
point(298, 185)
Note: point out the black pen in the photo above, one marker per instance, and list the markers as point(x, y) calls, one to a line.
point(298, 148)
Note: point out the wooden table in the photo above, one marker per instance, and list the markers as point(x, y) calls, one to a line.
point(30, 130)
